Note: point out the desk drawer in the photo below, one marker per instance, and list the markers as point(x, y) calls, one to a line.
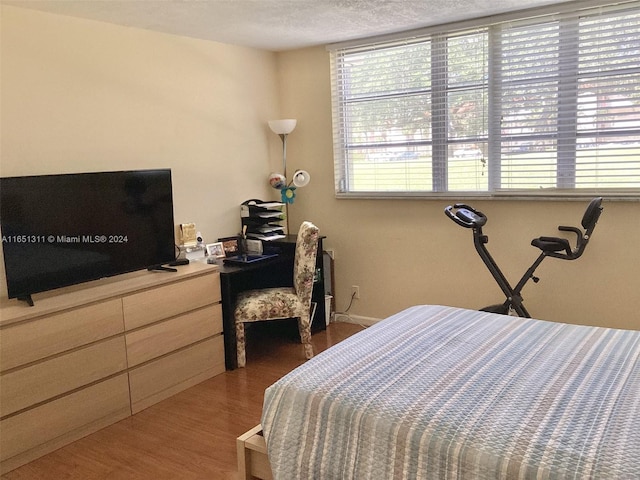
point(161, 338)
point(170, 300)
point(33, 340)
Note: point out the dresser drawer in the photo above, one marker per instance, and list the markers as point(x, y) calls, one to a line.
point(178, 332)
point(38, 382)
point(32, 340)
point(68, 418)
point(170, 300)
point(169, 375)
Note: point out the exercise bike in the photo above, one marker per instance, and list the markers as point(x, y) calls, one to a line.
point(555, 247)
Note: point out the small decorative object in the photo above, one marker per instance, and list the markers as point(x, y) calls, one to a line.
point(288, 194)
point(231, 246)
point(194, 253)
point(253, 247)
point(277, 180)
point(215, 250)
point(188, 234)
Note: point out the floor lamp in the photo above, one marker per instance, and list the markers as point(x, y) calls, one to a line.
point(279, 180)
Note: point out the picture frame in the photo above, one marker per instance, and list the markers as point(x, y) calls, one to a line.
point(231, 246)
point(215, 250)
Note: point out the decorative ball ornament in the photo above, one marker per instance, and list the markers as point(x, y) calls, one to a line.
point(277, 180)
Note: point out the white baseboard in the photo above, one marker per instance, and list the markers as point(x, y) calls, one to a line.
point(357, 319)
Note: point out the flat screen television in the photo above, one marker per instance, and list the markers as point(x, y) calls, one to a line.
point(60, 230)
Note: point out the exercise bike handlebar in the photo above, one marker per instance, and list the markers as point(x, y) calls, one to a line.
point(465, 215)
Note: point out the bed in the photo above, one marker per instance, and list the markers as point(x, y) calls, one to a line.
point(442, 392)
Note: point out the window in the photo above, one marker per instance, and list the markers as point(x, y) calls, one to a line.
point(544, 105)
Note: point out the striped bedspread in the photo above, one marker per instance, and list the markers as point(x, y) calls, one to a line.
point(441, 392)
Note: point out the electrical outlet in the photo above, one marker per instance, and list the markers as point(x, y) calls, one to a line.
point(355, 291)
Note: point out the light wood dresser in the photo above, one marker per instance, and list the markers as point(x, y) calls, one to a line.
point(88, 356)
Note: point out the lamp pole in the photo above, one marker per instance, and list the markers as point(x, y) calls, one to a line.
point(283, 128)
point(284, 136)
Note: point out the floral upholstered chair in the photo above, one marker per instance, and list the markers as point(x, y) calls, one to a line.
point(283, 302)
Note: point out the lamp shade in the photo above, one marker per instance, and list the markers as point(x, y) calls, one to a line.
point(283, 127)
point(301, 178)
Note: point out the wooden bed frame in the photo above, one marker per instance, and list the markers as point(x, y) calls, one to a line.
point(253, 462)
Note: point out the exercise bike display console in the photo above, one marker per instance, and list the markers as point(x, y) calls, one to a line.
point(556, 247)
point(466, 216)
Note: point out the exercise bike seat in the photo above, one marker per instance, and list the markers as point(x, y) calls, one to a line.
point(552, 244)
point(560, 247)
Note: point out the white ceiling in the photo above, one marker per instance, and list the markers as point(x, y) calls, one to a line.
point(277, 24)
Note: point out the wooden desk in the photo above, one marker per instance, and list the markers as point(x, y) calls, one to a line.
point(274, 272)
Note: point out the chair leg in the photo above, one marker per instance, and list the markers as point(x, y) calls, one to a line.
point(240, 348)
point(304, 327)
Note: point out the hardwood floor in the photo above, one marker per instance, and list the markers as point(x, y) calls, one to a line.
point(191, 435)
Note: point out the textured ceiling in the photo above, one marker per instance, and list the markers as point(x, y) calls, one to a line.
point(277, 24)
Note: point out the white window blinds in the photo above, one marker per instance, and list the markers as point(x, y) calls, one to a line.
point(545, 105)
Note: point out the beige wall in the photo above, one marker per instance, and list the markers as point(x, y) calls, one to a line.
point(78, 95)
point(406, 252)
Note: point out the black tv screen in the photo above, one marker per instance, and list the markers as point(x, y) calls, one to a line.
point(60, 230)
